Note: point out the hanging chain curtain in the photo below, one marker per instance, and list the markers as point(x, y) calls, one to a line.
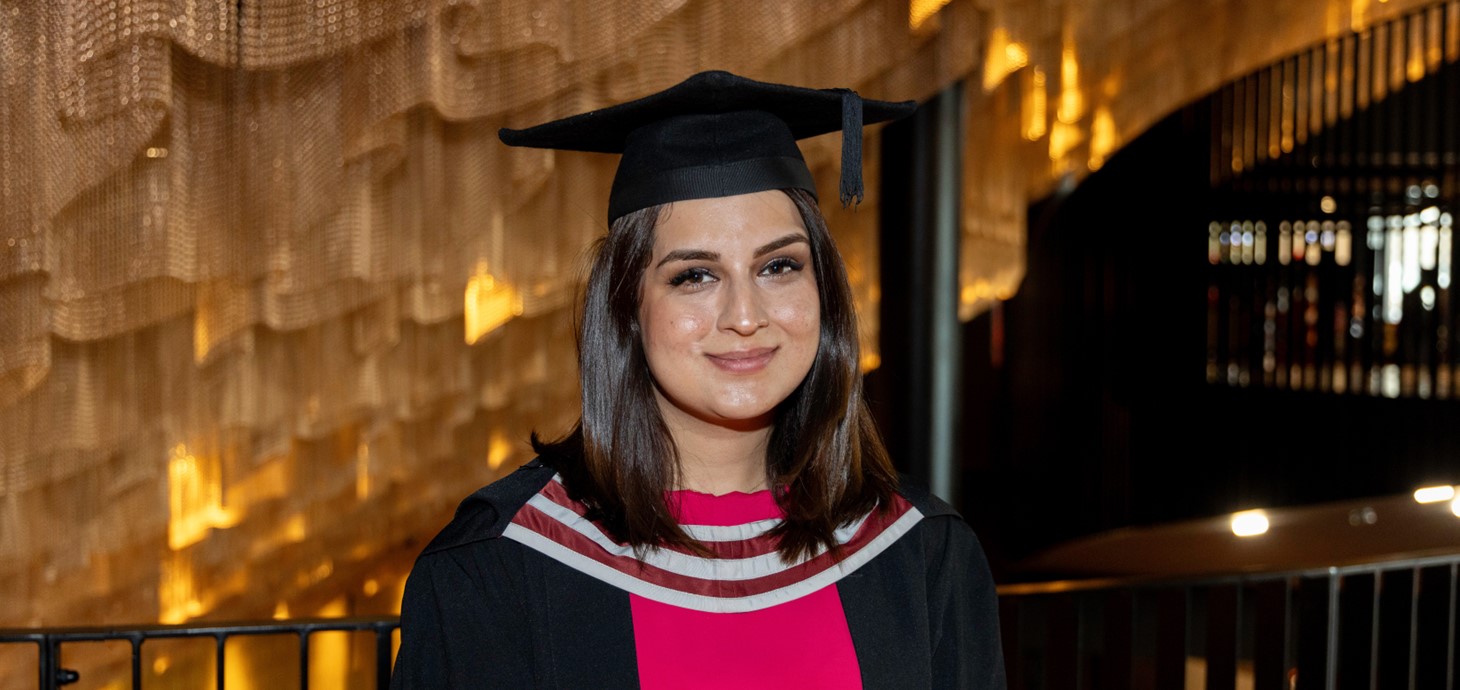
point(273, 297)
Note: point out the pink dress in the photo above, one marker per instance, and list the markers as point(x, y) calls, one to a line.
point(803, 643)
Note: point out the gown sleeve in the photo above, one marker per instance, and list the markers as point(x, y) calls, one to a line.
point(964, 615)
point(463, 622)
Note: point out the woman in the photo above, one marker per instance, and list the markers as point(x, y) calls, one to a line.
point(724, 514)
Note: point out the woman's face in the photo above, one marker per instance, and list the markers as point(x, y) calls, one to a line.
point(729, 308)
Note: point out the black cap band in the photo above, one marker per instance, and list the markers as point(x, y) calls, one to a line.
point(708, 181)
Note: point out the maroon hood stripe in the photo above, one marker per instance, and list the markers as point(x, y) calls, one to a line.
point(529, 517)
point(743, 548)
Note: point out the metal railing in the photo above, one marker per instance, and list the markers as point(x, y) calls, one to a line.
point(50, 641)
point(1376, 625)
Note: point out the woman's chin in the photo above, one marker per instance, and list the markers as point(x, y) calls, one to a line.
point(743, 419)
point(742, 415)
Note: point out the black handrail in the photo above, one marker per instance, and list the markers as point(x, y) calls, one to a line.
point(1392, 623)
point(49, 640)
point(1382, 624)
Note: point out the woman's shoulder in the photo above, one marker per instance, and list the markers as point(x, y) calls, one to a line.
point(487, 512)
point(924, 500)
point(942, 526)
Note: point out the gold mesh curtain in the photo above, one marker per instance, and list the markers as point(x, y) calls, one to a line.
point(272, 296)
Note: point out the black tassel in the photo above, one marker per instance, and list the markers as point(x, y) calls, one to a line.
point(851, 183)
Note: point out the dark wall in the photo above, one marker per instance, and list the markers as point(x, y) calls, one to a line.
point(1094, 412)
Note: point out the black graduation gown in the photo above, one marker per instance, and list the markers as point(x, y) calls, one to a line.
point(481, 611)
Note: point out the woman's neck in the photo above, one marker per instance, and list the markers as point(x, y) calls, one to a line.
point(714, 458)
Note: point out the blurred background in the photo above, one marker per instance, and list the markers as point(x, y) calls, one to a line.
point(1157, 292)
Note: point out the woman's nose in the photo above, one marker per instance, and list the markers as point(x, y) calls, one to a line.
point(742, 311)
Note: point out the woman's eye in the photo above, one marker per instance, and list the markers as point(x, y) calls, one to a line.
point(781, 267)
point(692, 276)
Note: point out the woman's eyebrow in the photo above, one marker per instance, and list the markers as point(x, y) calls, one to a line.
point(706, 255)
point(778, 243)
point(688, 255)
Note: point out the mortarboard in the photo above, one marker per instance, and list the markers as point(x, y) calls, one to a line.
point(715, 134)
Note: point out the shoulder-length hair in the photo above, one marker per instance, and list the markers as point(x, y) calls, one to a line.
point(825, 460)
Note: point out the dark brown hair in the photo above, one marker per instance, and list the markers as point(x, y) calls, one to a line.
point(824, 458)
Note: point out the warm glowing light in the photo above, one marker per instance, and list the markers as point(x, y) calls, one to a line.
point(201, 340)
point(1434, 494)
point(1285, 127)
point(1415, 70)
point(1455, 507)
point(296, 528)
point(362, 471)
point(195, 498)
point(1249, 523)
point(177, 597)
point(488, 304)
point(217, 315)
point(1004, 58)
point(498, 450)
point(161, 664)
point(371, 587)
point(1343, 251)
point(156, 152)
point(982, 291)
point(1036, 106)
point(1102, 137)
point(329, 652)
point(1358, 15)
point(1070, 105)
point(281, 611)
point(920, 11)
point(870, 361)
point(1062, 139)
point(1016, 54)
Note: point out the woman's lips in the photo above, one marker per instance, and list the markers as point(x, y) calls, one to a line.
point(743, 361)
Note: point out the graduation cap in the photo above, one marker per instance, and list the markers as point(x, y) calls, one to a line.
point(713, 135)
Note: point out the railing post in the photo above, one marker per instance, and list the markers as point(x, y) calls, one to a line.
point(304, 659)
point(47, 663)
point(382, 658)
point(1330, 666)
point(1450, 628)
point(219, 680)
point(136, 662)
point(1173, 604)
